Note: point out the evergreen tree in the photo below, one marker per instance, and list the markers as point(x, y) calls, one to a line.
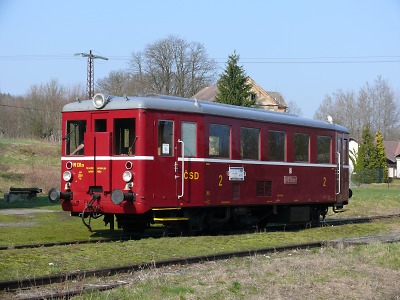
point(232, 85)
point(381, 158)
point(366, 160)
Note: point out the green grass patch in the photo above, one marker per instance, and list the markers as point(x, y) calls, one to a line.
point(45, 261)
point(55, 225)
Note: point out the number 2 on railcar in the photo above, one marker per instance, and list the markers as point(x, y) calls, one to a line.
point(198, 165)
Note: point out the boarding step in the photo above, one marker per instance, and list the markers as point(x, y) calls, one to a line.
point(168, 214)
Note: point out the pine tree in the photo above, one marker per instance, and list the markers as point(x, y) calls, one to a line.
point(366, 160)
point(232, 85)
point(381, 158)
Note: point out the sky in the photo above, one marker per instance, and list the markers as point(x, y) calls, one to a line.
point(304, 50)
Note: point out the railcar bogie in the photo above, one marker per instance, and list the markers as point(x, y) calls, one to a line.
point(198, 165)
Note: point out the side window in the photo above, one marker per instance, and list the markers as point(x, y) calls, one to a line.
point(345, 155)
point(74, 136)
point(219, 141)
point(323, 149)
point(165, 137)
point(339, 149)
point(188, 135)
point(250, 143)
point(301, 147)
point(124, 136)
point(277, 145)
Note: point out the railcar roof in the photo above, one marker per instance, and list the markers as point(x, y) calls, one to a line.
point(176, 104)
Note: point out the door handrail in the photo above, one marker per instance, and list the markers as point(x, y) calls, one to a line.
point(339, 174)
point(183, 168)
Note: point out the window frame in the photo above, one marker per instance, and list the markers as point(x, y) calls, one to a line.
point(222, 143)
point(303, 150)
point(242, 144)
point(161, 144)
point(284, 152)
point(186, 142)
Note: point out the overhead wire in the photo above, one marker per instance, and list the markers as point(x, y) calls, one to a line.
point(248, 60)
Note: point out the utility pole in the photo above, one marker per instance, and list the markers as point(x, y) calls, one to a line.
point(90, 71)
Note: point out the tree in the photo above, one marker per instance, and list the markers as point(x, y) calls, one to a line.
point(117, 83)
point(293, 108)
point(370, 164)
point(172, 66)
point(374, 106)
point(44, 105)
point(366, 159)
point(381, 158)
point(232, 85)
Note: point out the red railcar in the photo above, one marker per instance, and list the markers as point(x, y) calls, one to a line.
point(198, 165)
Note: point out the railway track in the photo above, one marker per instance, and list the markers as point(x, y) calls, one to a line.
point(41, 287)
point(333, 222)
point(46, 283)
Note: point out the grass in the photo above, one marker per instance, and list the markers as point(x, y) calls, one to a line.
point(29, 163)
point(18, 263)
point(54, 225)
point(348, 273)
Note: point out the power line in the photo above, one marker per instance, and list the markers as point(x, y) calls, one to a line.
point(245, 60)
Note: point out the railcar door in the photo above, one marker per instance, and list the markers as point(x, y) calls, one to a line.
point(176, 146)
point(98, 152)
point(342, 167)
point(166, 165)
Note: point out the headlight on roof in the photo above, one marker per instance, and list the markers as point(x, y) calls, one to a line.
point(99, 100)
point(127, 176)
point(67, 176)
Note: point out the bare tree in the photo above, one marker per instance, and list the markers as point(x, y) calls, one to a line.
point(43, 106)
point(375, 107)
point(173, 66)
point(293, 108)
point(117, 83)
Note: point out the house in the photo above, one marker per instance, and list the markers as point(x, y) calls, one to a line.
point(266, 100)
point(392, 151)
point(353, 150)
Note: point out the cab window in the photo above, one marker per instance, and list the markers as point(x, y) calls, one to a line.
point(165, 137)
point(74, 135)
point(124, 136)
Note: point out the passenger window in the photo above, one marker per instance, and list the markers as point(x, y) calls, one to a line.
point(74, 136)
point(124, 136)
point(219, 141)
point(277, 145)
point(165, 138)
point(250, 143)
point(323, 149)
point(188, 135)
point(301, 147)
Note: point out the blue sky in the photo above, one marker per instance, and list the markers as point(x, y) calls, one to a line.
point(302, 49)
